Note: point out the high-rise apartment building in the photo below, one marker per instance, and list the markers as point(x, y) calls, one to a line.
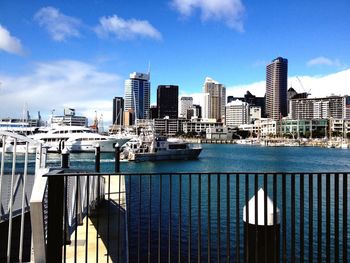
point(237, 113)
point(167, 101)
point(118, 109)
point(216, 100)
point(276, 88)
point(137, 95)
point(319, 108)
point(185, 104)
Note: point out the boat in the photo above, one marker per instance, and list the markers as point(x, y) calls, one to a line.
point(158, 148)
point(75, 139)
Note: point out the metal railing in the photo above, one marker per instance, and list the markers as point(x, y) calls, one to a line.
point(226, 217)
point(15, 190)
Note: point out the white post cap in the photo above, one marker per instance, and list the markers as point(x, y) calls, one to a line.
point(261, 210)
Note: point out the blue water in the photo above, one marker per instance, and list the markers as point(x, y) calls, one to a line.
point(221, 158)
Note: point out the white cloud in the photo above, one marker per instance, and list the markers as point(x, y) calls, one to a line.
point(229, 11)
point(59, 84)
point(126, 29)
point(319, 86)
point(323, 61)
point(59, 26)
point(9, 43)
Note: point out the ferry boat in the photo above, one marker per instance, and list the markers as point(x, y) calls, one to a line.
point(158, 148)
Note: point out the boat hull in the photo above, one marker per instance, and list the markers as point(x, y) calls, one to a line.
point(105, 146)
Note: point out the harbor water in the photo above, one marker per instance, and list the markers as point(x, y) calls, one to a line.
point(216, 158)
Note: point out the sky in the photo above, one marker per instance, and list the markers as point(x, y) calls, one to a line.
point(56, 54)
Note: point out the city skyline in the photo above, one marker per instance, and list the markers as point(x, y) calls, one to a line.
point(78, 55)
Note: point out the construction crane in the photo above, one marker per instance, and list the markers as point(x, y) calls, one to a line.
point(301, 84)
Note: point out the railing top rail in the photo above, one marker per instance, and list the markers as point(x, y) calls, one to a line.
point(19, 137)
point(192, 173)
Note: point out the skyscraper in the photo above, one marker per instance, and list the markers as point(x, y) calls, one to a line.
point(137, 94)
point(217, 99)
point(118, 108)
point(276, 88)
point(167, 101)
point(185, 104)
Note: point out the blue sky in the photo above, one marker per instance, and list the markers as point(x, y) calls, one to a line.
point(78, 53)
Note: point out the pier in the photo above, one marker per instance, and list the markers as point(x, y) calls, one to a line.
point(94, 216)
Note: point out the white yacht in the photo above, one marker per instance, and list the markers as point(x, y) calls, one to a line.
point(75, 139)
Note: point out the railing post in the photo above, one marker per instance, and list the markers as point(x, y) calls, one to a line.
point(65, 159)
point(55, 218)
point(117, 159)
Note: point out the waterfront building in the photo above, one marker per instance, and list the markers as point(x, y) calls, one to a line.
point(292, 94)
point(237, 113)
point(118, 109)
point(218, 133)
point(216, 99)
point(205, 106)
point(167, 101)
point(200, 126)
point(251, 100)
point(185, 104)
point(168, 127)
point(276, 88)
point(304, 128)
point(320, 108)
point(69, 118)
point(194, 112)
point(153, 112)
point(129, 116)
point(254, 113)
point(137, 95)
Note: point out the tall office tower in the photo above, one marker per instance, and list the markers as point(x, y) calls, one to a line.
point(185, 104)
point(137, 95)
point(237, 113)
point(276, 88)
point(118, 109)
point(167, 101)
point(217, 99)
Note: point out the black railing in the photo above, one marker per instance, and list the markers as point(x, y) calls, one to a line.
point(200, 217)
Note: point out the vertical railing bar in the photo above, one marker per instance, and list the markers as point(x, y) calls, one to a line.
point(87, 218)
point(128, 210)
point(228, 217)
point(23, 201)
point(76, 218)
point(265, 217)
point(276, 244)
point(218, 218)
point(328, 217)
point(256, 215)
point(108, 215)
point(139, 223)
point(199, 219)
point(117, 170)
point(170, 221)
point(149, 218)
point(302, 217)
point(311, 218)
point(97, 170)
point(160, 217)
point(2, 166)
point(208, 225)
point(336, 217)
point(345, 217)
point(65, 207)
point(238, 243)
point(189, 216)
point(319, 217)
point(246, 236)
point(284, 227)
point(9, 237)
point(180, 216)
point(293, 217)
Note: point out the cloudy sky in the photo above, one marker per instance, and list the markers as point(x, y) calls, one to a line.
point(77, 53)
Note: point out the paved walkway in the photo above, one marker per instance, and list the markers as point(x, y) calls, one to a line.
point(110, 235)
